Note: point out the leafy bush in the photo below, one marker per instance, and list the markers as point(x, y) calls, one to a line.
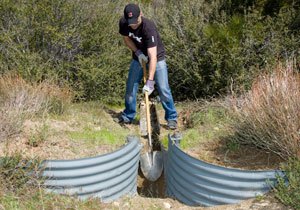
point(209, 50)
point(289, 194)
point(211, 45)
point(268, 115)
point(66, 41)
point(181, 25)
point(15, 172)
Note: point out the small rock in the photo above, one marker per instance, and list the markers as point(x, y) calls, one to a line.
point(265, 204)
point(116, 204)
point(167, 205)
point(126, 205)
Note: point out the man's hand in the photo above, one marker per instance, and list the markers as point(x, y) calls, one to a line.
point(141, 56)
point(149, 86)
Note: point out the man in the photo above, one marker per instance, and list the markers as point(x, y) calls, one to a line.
point(141, 36)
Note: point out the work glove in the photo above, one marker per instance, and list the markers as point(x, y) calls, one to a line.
point(149, 86)
point(141, 56)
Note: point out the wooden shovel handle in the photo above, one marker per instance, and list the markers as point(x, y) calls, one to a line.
point(147, 107)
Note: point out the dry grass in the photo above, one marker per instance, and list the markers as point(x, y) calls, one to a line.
point(57, 98)
point(268, 115)
point(20, 100)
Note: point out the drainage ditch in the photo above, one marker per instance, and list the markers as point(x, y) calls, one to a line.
point(146, 188)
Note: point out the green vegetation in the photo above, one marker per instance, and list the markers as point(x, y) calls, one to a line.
point(207, 121)
point(211, 46)
point(290, 194)
point(97, 137)
point(39, 136)
point(38, 199)
point(14, 173)
point(92, 124)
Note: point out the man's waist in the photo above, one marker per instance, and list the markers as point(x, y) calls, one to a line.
point(159, 57)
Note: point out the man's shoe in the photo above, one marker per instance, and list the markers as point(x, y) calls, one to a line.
point(121, 120)
point(172, 124)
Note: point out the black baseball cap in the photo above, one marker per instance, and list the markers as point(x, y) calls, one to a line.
point(131, 13)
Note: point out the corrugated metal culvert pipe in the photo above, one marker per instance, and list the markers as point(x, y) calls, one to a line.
point(197, 183)
point(107, 177)
point(191, 181)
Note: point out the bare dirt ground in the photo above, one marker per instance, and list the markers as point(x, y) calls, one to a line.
point(139, 202)
point(246, 157)
point(152, 195)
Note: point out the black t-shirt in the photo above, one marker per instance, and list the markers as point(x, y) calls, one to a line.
point(145, 36)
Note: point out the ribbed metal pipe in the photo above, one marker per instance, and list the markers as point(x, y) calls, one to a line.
point(195, 182)
point(107, 177)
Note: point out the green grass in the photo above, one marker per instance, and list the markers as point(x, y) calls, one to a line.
point(207, 123)
point(211, 116)
point(82, 111)
point(37, 199)
point(9, 202)
point(92, 124)
point(98, 137)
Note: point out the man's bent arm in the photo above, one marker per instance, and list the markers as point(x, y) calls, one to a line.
point(152, 53)
point(130, 44)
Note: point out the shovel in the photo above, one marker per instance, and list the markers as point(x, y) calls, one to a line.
point(151, 162)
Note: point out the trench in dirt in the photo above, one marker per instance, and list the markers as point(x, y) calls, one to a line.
point(145, 187)
point(247, 158)
point(148, 188)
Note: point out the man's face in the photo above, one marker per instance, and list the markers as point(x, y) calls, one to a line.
point(135, 26)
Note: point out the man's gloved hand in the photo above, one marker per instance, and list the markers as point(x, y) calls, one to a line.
point(149, 86)
point(141, 56)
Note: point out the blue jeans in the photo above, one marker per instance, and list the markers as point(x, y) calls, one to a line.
point(161, 80)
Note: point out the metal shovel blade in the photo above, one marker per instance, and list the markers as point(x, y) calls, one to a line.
point(152, 165)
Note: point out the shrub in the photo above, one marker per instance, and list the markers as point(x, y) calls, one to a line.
point(268, 115)
point(210, 49)
point(289, 194)
point(20, 100)
point(76, 42)
point(58, 98)
point(15, 172)
point(210, 45)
